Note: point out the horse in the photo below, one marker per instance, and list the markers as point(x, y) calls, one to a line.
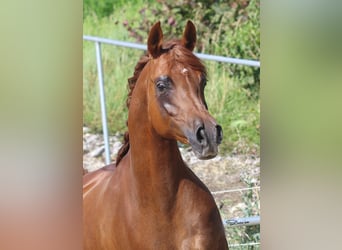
point(150, 199)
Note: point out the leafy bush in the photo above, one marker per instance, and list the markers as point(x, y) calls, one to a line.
point(228, 28)
point(101, 8)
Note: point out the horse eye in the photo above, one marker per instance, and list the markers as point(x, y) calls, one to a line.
point(161, 86)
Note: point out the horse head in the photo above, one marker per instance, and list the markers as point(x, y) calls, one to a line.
point(176, 102)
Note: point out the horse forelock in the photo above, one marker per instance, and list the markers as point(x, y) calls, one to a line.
point(180, 55)
point(183, 56)
point(186, 58)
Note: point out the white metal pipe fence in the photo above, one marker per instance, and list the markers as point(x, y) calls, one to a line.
point(248, 221)
point(200, 55)
point(103, 101)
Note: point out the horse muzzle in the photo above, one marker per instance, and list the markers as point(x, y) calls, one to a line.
point(204, 139)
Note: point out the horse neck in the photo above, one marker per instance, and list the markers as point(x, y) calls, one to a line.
point(156, 163)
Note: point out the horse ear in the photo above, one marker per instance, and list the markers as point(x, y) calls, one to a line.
point(155, 40)
point(189, 36)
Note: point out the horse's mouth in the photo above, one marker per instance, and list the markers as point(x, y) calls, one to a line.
point(204, 154)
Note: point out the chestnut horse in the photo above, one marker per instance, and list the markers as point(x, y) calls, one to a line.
point(151, 199)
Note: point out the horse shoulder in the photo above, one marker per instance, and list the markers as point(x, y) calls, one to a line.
point(101, 198)
point(200, 219)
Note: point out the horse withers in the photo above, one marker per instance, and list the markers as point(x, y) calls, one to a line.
point(151, 199)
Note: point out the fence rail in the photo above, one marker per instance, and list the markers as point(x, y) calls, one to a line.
point(224, 59)
point(248, 221)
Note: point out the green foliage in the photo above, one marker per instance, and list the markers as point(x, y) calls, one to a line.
point(235, 111)
point(100, 8)
point(104, 8)
point(228, 28)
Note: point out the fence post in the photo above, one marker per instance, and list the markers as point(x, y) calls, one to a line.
point(103, 102)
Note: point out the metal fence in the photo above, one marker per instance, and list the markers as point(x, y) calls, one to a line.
point(248, 221)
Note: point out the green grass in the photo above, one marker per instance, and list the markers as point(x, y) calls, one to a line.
point(228, 101)
point(238, 114)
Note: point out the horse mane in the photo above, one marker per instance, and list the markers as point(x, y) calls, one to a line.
point(182, 55)
point(131, 84)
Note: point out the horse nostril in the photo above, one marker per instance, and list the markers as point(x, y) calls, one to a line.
point(219, 135)
point(200, 135)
